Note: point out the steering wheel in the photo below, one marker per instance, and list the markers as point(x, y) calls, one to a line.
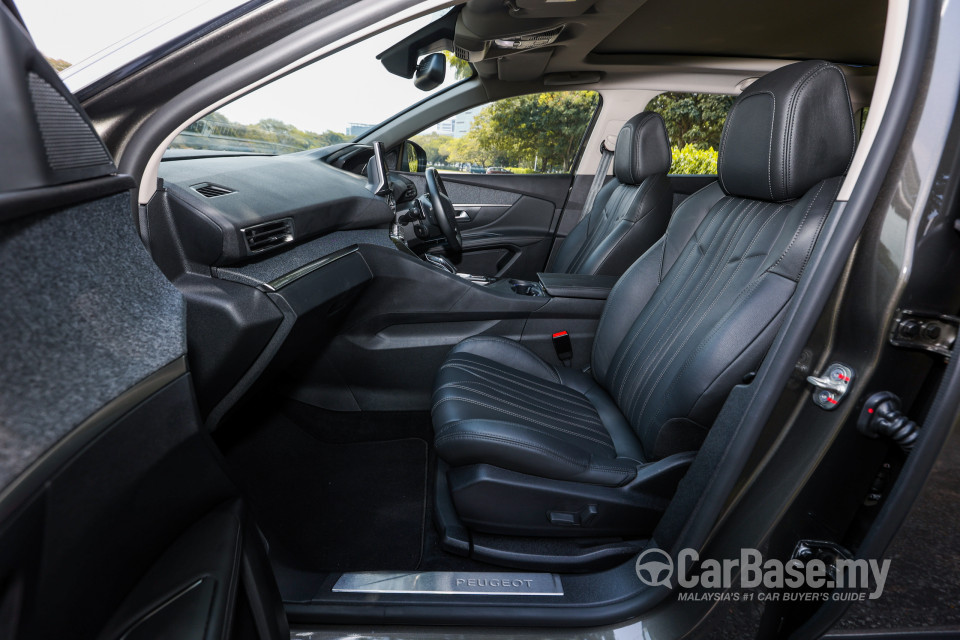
point(443, 210)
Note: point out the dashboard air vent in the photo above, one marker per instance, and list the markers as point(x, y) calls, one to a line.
point(208, 190)
point(268, 235)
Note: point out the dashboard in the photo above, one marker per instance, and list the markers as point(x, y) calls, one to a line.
point(232, 209)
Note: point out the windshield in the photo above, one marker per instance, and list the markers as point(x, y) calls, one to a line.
point(336, 99)
point(85, 41)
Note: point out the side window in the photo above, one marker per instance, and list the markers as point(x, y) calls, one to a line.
point(694, 123)
point(537, 133)
point(860, 118)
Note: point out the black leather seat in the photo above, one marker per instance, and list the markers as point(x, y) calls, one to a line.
point(631, 211)
point(536, 449)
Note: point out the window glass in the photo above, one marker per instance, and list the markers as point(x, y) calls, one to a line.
point(537, 133)
point(860, 117)
point(333, 100)
point(86, 40)
point(694, 123)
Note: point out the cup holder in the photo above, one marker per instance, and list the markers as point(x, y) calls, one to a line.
point(525, 288)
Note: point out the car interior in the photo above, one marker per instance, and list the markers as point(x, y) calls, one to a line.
point(424, 396)
point(385, 411)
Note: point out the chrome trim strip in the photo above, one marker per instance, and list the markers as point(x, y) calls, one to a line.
point(310, 267)
point(461, 583)
point(469, 206)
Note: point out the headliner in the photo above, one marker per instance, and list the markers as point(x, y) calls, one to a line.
point(848, 32)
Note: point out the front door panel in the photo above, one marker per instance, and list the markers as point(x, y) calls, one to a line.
point(507, 221)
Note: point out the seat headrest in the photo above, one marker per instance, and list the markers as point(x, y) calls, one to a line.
point(786, 132)
point(643, 149)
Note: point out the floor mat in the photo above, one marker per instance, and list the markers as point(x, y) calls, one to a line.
point(334, 506)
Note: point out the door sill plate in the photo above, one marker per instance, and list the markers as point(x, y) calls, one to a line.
point(467, 583)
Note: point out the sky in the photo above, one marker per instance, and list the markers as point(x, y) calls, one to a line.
point(72, 30)
point(350, 86)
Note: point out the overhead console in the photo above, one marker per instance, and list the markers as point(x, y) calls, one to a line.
point(510, 39)
point(487, 30)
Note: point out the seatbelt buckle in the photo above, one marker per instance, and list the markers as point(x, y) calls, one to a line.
point(563, 347)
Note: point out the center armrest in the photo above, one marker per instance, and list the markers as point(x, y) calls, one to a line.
point(574, 285)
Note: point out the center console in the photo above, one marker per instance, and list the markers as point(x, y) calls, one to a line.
point(399, 323)
point(554, 285)
point(575, 285)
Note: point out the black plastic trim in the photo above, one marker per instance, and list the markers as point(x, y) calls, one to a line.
point(946, 406)
point(37, 474)
point(16, 204)
point(296, 274)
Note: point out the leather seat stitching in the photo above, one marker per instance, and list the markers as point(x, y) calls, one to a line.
point(528, 445)
point(506, 375)
point(636, 329)
point(455, 423)
point(519, 347)
point(565, 415)
point(510, 383)
point(796, 234)
point(735, 220)
point(713, 275)
point(522, 417)
point(584, 407)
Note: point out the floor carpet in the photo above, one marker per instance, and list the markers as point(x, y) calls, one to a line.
point(329, 498)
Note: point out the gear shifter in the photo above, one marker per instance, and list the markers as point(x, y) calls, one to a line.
point(440, 262)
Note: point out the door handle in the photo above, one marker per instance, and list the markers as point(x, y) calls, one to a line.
point(463, 216)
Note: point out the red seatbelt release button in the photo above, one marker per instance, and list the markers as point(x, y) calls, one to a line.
point(563, 347)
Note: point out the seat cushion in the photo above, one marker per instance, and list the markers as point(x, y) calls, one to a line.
point(496, 402)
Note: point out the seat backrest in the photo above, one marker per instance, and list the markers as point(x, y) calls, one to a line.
point(699, 310)
point(631, 211)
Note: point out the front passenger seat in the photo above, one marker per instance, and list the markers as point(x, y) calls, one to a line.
point(534, 449)
point(631, 211)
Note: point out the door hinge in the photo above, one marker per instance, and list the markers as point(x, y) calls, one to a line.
point(825, 551)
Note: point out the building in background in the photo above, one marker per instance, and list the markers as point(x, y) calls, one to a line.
point(458, 125)
point(355, 129)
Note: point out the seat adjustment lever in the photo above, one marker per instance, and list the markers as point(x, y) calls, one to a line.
point(573, 518)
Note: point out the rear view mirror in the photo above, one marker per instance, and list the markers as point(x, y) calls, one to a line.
point(430, 72)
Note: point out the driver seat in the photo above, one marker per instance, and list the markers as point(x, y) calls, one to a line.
point(631, 211)
point(529, 448)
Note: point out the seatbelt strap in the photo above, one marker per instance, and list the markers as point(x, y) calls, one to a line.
point(605, 157)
